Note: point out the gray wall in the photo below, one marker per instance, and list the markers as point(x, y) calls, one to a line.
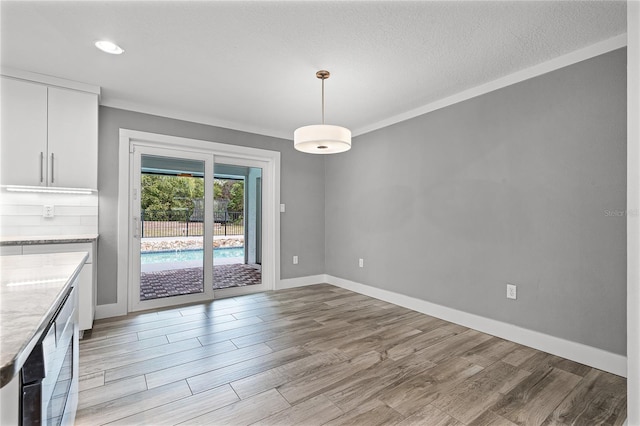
point(510, 187)
point(301, 188)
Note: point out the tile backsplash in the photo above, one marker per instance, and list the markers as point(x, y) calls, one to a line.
point(21, 214)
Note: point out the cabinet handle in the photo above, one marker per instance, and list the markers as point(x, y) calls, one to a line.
point(41, 166)
point(52, 178)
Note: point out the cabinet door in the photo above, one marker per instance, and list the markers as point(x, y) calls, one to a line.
point(86, 279)
point(86, 309)
point(73, 138)
point(24, 133)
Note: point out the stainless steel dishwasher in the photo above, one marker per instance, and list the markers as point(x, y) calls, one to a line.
point(48, 377)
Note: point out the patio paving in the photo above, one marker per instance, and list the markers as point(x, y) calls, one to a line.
point(176, 282)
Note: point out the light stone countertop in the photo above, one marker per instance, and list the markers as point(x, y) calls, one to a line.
point(47, 239)
point(31, 289)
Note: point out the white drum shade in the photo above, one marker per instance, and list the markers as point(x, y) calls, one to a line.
point(322, 139)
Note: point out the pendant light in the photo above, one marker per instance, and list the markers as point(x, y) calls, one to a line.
point(322, 138)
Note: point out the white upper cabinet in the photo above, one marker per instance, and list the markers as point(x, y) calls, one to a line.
point(49, 135)
point(73, 138)
point(24, 133)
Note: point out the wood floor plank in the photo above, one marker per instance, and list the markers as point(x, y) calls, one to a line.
point(91, 342)
point(421, 341)
point(454, 346)
point(92, 354)
point(350, 299)
point(410, 395)
point(347, 311)
point(488, 352)
point(597, 400)
point(205, 329)
point(381, 341)
point(243, 369)
point(276, 311)
point(269, 379)
point(473, 396)
point(518, 356)
point(114, 331)
point(263, 336)
point(134, 318)
point(334, 335)
point(242, 307)
point(367, 384)
point(372, 413)
point(110, 361)
point(313, 384)
point(132, 404)
point(167, 361)
point(312, 412)
point(543, 361)
point(536, 396)
point(147, 316)
point(111, 391)
point(244, 412)
point(379, 317)
point(181, 327)
point(185, 370)
point(431, 416)
point(489, 418)
point(306, 312)
point(288, 340)
point(182, 409)
point(427, 323)
point(237, 332)
point(89, 381)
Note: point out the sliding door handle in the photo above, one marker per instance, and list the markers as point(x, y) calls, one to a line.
point(136, 227)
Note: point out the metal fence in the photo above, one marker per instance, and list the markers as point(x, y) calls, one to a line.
point(183, 223)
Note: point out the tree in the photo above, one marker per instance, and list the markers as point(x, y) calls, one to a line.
point(236, 201)
point(230, 193)
point(162, 196)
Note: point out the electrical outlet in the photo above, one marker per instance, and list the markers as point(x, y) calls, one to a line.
point(511, 291)
point(295, 260)
point(282, 208)
point(361, 263)
point(48, 211)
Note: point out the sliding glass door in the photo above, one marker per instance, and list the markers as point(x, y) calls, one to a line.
point(196, 227)
point(237, 260)
point(172, 212)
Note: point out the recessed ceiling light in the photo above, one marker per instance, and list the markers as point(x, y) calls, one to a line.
point(109, 47)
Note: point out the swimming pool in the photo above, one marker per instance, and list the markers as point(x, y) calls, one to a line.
point(188, 255)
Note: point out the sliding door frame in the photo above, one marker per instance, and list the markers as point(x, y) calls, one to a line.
point(270, 202)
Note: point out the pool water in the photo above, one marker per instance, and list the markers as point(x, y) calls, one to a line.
point(187, 255)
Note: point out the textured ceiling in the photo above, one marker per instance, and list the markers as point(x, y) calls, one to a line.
point(251, 65)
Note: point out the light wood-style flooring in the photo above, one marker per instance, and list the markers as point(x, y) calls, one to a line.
point(323, 355)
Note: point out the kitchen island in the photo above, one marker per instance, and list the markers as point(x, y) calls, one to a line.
point(32, 290)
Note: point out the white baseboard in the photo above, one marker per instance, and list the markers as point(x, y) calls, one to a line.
point(301, 281)
point(110, 310)
point(588, 355)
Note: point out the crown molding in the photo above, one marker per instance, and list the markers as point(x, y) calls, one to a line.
point(516, 77)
